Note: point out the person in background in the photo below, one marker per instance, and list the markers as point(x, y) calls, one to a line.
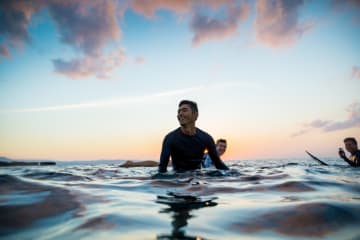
point(220, 148)
point(352, 147)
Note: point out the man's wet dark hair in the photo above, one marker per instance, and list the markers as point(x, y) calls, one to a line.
point(192, 105)
point(221, 140)
point(350, 139)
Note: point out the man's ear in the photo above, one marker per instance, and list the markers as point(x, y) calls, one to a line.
point(196, 115)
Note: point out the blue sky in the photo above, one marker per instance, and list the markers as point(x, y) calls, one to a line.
point(102, 79)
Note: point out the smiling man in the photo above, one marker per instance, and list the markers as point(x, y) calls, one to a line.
point(186, 144)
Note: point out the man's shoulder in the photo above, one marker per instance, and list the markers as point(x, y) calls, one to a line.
point(173, 133)
point(202, 133)
point(357, 154)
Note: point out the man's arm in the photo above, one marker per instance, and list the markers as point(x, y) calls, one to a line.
point(357, 159)
point(215, 156)
point(351, 163)
point(343, 156)
point(165, 155)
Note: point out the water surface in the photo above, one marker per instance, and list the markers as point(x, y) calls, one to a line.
point(282, 199)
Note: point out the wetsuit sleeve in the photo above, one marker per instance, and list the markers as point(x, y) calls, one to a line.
point(351, 163)
point(215, 157)
point(165, 155)
point(357, 159)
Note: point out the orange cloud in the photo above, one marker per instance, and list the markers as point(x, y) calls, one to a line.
point(277, 22)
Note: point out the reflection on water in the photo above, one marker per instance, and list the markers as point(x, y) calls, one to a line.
point(180, 207)
point(255, 199)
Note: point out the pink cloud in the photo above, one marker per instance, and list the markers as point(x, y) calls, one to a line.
point(340, 4)
point(148, 8)
point(14, 19)
point(4, 51)
point(350, 6)
point(139, 60)
point(356, 72)
point(86, 25)
point(99, 66)
point(277, 22)
point(317, 124)
point(353, 120)
point(206, 28)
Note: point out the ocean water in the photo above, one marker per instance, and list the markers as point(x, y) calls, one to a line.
point(272, 199)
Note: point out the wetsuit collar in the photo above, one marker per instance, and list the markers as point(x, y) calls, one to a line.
point(187, 132)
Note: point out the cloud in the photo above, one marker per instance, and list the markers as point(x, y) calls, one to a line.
point(110, 102)
point(299, 133)
point(136, 99)
point(356, 72)
point(317, 124)
point(207, 28)
point(14, 19)
point(352, 6)
point(98, 65)
point(341, 4)
point(86, 25)
point(277, 22)
point(4, 51)
point(149, 8)
point(139, 60)
point(353, 120)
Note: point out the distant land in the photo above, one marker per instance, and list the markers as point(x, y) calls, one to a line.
point(5, 159)
point(62, 162)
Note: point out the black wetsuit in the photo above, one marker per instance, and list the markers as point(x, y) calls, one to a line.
point(354, 159)
point(187, 151)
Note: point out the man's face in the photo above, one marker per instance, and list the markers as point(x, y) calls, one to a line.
point(186, 115)
point(351, 146)
point(221, 148)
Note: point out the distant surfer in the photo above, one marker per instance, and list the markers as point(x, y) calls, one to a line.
point(352, 147)
point(186, 145)
point(220, 148)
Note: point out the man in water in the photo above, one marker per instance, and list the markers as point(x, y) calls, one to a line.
point(352, 147)
point(220, 147)
point(186, 144)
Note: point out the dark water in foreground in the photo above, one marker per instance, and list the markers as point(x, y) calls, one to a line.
point(254, 200)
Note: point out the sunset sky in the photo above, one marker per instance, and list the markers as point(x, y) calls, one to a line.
point(86, 80)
